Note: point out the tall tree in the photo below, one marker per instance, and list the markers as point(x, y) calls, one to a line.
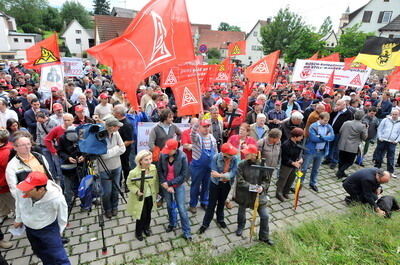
point(326, 26)
point(223, 26)
point(101, 7)
point(351, 41)
point(27, 14)
point(73, 10)
point(285, 28)
point(52, 20)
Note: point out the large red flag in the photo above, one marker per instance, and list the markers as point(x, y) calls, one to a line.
point(314, 57)
point(170, 77)
point(334, 57)
point(44, 53)
point(158, 38)
point(237, 48)
point(244, 101)
point(223, 73)
point(188, 97)
point(348, 64)
point(394, 79)
point(263, 70)
point(329, 85)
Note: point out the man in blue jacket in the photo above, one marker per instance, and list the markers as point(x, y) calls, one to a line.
point(317, 144)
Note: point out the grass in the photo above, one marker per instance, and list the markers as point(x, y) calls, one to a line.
point(358, 237)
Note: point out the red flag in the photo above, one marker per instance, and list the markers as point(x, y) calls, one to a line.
point(334, 57)
point(207, 80)
point(314, 57)
point(329, 85)
point(244, 100)
point(223, 73)
point(394, 79)
point(44, 53)
point(170, 77)
point(348, 64)
point(158, 38)
point(237, 48)
point(188, 97)
point(263, 70)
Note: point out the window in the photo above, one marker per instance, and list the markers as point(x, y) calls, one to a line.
point(255, 33)
point(391, 36)
point(27, 40)
point(256, 48)
point(15, 39)
point(384, 16)
point(386, 0)
point(78, 31)
point(367, 16)
point(78, 41)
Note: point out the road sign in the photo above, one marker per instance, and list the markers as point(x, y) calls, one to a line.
point(203, 48)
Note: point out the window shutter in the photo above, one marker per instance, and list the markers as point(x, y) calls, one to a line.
point(380, 17)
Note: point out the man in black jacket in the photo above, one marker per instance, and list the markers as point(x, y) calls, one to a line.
point(363, 186)
point(338, 117)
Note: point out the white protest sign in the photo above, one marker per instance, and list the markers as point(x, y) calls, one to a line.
point(144, 129)
point(320, 71)
point(51, 76)
point(72, 66)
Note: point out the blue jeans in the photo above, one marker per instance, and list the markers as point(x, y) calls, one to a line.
point(177, 200)
point(316, 160)
point(333, 155)
point(381, 148)
point(110, 191)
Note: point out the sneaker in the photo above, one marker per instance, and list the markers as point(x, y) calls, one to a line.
point(5, 244)
point(193, 210)
point(202, 229)
point(394, 176)
point(229, 204)
point(114, 212)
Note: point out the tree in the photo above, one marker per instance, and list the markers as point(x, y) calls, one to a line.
point(326, 27)
point(52, 20)
point(73, 10)
point(213, 53)
point(304, 47)
point(285, 28)
point(223, 26)
point(101, 7)
point(351, 41)
point(27, 14)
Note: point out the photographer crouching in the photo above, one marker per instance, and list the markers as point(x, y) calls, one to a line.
point(112, 161)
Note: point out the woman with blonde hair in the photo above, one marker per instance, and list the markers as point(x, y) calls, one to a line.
point(142, 196)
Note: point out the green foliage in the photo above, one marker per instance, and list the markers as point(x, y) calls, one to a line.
point(213, 53)
point(73, 10)
point(223, 26)
point(101, 7)
point(326, 27)
point(351, 41)
point(51, 19)
point(358, 237)
point(304, 46)
point(285, 28)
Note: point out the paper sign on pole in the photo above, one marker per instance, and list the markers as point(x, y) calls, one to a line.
point(51, 76)
point(72, 66)
point(320, 71)
point(144, 129)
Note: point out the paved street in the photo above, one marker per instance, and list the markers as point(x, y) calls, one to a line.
point(123, 248)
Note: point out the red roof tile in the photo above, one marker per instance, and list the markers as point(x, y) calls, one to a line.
point(218, 39)
point(109, 27)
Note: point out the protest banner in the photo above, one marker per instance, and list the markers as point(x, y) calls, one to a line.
point(72, 66)
point(144, 129)
point(320, 71)
point(51, 76)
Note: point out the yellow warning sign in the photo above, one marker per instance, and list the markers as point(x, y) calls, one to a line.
point(236, 50)
point(46, 56)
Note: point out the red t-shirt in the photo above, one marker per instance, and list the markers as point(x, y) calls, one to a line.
point(235, 141)
point(185, 139)
point(54, 134)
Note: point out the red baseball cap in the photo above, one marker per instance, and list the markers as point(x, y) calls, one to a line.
point(209, 89)
point(170, 145)
point(3, 81)
point(78, 108)
point(34, 179)
point(57, 106)
point(161, 104)
point(229, 149)
point(54, 89)
point(278, 102)
point(367, 103)
point(205, 122)
point(103, 95)
point(274, 94)
point(23, 90)
point(225, 92)
point(251, 149)
point(88, 90)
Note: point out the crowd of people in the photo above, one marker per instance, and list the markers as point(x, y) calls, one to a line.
point(226, 156)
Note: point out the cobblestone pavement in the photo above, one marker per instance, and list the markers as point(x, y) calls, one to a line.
point(85, 246)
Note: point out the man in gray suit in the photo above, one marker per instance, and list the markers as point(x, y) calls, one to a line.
point(352, 133)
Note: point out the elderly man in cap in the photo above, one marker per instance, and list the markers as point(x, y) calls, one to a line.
point(111, 183)
point(41, 208)
point(58, 114)
point(257, 109)
point(223, 172)
point(204, 146)
point(276, 116)
point(104, 108)
point(251, 181)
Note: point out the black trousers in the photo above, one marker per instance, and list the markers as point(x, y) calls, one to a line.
point(216, 198)
point(144, 222)
point(346, 159)
point(125, 163)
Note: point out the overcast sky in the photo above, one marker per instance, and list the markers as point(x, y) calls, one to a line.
point(245, 13)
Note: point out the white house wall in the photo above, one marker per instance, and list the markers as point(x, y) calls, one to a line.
point(70, 36)
point(21, 42)
point(376, 6)
point(252, 43)
point(4, 45)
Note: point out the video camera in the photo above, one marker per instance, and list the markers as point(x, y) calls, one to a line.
point(92, 139)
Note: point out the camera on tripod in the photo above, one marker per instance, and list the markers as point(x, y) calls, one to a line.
point(92, 139)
